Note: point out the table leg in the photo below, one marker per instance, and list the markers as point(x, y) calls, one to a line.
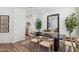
point(56, 44)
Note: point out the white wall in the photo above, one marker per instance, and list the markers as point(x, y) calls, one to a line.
point(16, 25)
point(18, 16)
point(63, 12)
point(7, 37)
point(77, 13)
point(19, 25)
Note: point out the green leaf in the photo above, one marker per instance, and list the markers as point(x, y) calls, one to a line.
point(71, 23)
point(38, 23)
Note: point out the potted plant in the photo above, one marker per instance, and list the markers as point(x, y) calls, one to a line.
point(71, 23)
point(38, 25)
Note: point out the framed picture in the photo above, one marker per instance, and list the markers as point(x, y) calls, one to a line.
point(4, 23)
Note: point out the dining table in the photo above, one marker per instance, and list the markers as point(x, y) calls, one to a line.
point(55, 36)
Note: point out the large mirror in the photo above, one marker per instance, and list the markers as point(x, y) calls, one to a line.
point(53, 22)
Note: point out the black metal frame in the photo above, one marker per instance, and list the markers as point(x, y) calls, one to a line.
point(48, 20)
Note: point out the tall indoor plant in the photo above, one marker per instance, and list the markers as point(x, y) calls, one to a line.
point(71, 23)
point(38, 24)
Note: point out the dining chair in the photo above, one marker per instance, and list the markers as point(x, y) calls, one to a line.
point(70, 42)
point(32, 37)
point(36, 41)
point(46, 42)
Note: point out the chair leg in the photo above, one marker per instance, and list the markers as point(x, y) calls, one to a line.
point(72, 44)
point(49, 49)
point(29, 39)
point(38, 46)
point(63, 44)
point(72, 50)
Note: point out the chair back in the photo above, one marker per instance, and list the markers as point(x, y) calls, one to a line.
point(70, 41)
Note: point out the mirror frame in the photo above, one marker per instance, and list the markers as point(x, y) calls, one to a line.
point(48, 20)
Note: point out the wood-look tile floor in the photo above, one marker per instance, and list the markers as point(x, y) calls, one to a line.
point(22, 46)
point(13, 47)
